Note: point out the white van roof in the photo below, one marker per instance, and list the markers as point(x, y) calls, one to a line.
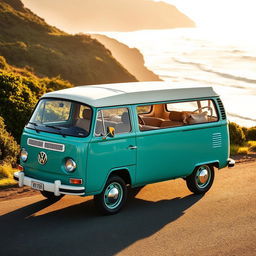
point(130, 93)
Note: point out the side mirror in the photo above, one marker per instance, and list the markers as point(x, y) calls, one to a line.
point(110, 131)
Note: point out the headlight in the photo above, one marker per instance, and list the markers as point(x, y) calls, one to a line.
point(24, 155)
point(70, 165)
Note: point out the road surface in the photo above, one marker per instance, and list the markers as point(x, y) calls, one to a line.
point(163, 219)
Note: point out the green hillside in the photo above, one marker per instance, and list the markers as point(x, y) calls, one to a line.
point(27, 40)
point(19, 92)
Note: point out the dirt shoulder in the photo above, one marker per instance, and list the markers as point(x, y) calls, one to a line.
point(7, 193)
point(244, 158)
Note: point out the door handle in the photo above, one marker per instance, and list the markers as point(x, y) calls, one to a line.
point(132, 147)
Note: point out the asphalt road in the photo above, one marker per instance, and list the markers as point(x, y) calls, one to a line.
point(163, 219)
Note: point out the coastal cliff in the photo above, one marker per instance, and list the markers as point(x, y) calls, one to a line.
point(112, 15)
point(130, 58)
point(26, 40)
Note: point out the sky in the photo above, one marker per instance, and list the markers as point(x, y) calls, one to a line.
point(219, 14)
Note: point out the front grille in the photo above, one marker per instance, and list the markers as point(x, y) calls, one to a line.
point(216, 140)
point(222, 110)
point(36, 143)
point(46, 144)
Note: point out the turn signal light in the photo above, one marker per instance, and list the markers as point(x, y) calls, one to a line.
point(75, 181)
point(19, 167)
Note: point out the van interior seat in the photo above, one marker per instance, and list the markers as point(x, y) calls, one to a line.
point(124, 126)
point(85, 121)
point(196, 118)
point(152, 120)
point(176, 118)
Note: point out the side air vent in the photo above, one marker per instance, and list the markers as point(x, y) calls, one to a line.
point(222, 110)
point(46, 145)
point(216, 140)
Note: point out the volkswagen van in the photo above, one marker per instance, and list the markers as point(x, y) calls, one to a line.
point(102, 139)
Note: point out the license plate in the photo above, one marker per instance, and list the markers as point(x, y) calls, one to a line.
point(37, 185)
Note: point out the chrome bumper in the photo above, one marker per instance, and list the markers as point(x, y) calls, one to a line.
point(57, 188)
point(231, 162)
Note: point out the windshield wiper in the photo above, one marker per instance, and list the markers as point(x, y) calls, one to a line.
point(35, 124)
point(57, 128)
point(52, 126)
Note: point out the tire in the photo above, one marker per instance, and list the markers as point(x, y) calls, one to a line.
point(201, 179)
point(113, 196)
point(50, 196)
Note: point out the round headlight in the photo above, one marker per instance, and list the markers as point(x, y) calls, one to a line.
point(24, 155)
point(70, 165)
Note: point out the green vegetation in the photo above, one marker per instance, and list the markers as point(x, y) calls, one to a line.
point(19, 92)
point(242, 139)
point(6, 176)
point(9, 149)
point(26, 40)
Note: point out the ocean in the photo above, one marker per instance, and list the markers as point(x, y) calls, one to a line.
point(197, 57)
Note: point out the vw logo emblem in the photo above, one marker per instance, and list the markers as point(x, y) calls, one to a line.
point(42, 158)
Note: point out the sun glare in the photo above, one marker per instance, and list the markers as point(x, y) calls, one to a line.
point(232, 14)
point(228, 20)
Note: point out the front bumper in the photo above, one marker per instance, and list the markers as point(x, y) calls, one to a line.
point(57, 188)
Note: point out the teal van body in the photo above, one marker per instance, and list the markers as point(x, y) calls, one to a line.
point(58, 160)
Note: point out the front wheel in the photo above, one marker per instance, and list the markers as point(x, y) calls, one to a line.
point(113, 196)
point(201, 179)
point(50, 196)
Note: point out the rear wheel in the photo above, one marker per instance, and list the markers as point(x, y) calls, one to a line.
point(113, 196)
point(50, 196)
point(201, 179)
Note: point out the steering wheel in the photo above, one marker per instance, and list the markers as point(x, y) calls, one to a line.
point(210, 108)
point(141, 121)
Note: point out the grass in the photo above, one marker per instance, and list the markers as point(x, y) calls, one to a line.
point(6, 176)
point(252, 145)
point(248, 147)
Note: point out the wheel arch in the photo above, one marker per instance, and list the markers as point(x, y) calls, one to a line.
point(122, 173)
point(214, 163)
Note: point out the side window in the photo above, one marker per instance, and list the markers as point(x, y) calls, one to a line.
point(84, 112)
point(177, 114)
point(119, 118)
point(193, 112)
point(144, 109)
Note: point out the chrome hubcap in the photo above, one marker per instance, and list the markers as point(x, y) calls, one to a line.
point(203, 176)
point(113, 195)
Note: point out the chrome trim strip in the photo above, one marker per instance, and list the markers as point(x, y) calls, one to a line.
point(30, 143)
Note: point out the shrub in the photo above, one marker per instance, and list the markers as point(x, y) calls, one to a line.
point(237, 136)
point(9, 148)
point(251, 133)
point(17, 100)
point(252, 146)
point(243, 150)
point(19, 91)
point(6, 175)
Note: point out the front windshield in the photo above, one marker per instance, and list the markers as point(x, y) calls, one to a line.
point(62, 116)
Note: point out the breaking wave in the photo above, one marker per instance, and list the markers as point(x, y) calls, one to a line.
point(222, 74)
